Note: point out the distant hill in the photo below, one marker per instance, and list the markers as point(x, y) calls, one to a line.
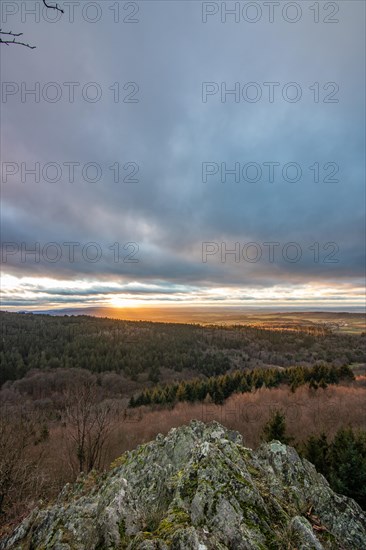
point(211, 314)
point(143, 350)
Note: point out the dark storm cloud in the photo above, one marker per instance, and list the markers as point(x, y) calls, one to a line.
point(170, 132)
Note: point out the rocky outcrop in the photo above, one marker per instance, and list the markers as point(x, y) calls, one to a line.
point(198, 488)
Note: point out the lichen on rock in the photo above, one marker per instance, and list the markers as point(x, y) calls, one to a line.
point(198, 488)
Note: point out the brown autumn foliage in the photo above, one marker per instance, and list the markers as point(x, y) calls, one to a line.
point(44, 452)
point(22, 474)
point(307, 412)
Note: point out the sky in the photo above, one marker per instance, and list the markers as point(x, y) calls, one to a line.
point(180, 153)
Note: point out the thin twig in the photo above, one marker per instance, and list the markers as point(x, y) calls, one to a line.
point(7, 42)
point(14, 35)
point(53, 7)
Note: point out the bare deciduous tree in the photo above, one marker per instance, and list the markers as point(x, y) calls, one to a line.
point(10, 37)
point(18, 431)
point(88, 425)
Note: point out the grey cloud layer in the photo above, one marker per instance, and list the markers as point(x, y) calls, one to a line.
point(170, 132)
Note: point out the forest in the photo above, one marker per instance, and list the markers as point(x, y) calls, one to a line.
point(138, 348)
point(218, 388)
point(77, 391)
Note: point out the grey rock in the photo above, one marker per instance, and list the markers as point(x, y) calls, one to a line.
point(198, 488)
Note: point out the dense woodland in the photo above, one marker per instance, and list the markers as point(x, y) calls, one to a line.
point(218, 388)
point(66, 383)
point(100, 345)
point(342, 460)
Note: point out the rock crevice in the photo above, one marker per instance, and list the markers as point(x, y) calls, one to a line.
point(198, 488)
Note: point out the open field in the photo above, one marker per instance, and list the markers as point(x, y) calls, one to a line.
point(348, 322)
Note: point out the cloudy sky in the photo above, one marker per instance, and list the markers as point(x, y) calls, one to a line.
point(175, 153)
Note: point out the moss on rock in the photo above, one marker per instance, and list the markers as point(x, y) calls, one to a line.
point(197, 488)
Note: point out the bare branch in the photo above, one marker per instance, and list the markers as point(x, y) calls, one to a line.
point(11, 33)
point(89, 422)
point(53, 7)
point(8, 41)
